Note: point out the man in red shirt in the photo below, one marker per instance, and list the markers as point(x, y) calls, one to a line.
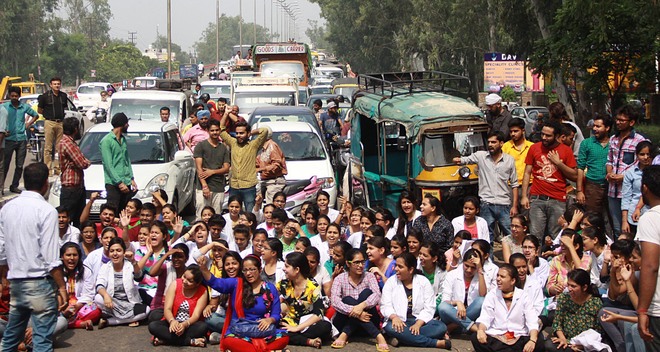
point(551, 163)
point(72, 163)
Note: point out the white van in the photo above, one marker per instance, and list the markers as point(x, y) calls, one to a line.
point(144, 105)
point(89, 93)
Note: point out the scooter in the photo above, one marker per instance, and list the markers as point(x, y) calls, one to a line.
point(100, 115)
point(37, 139)
point(300, 191)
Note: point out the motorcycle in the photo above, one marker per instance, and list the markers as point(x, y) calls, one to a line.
point(36, 140)
point(100, 115)
point(299, 191)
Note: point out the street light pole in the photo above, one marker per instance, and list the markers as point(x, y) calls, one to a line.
point(240, 26)
point(169, 39)
point(217, 31)
point(254, 24)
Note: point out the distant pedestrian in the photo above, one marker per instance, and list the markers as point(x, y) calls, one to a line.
point(591, 182)
point(117, 170)
point(29, 258)
point(497, 117)
point(73, 162)
point(551, 163)
point(52, 105)
point(212, 161)
point(15, 138)
point(271, 166)
point(199, 132)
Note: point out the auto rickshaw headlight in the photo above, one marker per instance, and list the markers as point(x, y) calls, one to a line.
point(464, 172)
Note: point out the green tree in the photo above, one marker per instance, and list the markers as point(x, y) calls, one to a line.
point(508, 94)
point(318, 36)
point(229, 36)
point(180, 55)
point(67, 57)
point(121, 61)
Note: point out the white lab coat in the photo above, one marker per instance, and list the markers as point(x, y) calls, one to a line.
point(394, 300)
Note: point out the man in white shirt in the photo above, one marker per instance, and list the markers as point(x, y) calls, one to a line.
point(29, 258)
point(648, 233)
point(67, 232)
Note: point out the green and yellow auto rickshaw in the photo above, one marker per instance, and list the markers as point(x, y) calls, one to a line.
point(406, 127)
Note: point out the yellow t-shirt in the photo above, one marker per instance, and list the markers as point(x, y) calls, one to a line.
point(519, 156)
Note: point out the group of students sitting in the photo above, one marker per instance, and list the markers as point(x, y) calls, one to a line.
point(261, 280)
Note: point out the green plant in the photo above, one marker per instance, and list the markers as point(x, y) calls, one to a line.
point(508, 94)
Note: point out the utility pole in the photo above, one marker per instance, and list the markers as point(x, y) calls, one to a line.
point(132, 37)
point(169, 39)
point(217, 31)
point(254, 24)
point(240, 27)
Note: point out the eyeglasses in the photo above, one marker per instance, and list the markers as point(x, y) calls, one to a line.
point(357, 262)
point(291, 228)
point(250, 270)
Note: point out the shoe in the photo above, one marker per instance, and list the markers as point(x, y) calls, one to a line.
point(214, 338)
point(16, 190)
point(103, 323)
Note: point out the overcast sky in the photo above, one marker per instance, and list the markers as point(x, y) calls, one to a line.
point(190, 18)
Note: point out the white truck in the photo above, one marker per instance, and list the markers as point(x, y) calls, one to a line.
point(249, 91)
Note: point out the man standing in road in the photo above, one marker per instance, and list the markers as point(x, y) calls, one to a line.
point(591, 184)
point(29, 258)
point(199, 132)
point(117, 170)
point(518, 147)
point(73, 162)
point(648, 233)
point(619, 159)
point(243, 160)
point(331, 121)
point(52, 105)
point(192, 120)
point(232, 119)
point(497, 177)
point(212, 161)
point(164, 114)
point(497, 117)
point(15, 139)
point(272, 167)
point(551, 163)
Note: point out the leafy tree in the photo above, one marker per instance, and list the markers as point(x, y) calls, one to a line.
point(66, 57)
point(180, 55)
point(120, 61)
point(508, 94)
point(318, 36)
point(229, 36)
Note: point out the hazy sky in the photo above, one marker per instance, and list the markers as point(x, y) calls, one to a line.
point(190, 18)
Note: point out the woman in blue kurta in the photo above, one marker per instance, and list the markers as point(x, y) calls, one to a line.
point(258, 302)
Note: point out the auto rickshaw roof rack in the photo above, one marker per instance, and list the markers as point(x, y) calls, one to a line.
point(391, 84)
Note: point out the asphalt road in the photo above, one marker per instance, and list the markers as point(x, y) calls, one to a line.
point(123, 338)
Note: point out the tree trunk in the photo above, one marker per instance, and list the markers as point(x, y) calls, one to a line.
point(563, 95)
point(491, 25)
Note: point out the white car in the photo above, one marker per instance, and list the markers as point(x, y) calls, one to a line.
point(89, 94)
point(225, 65)
point(158, 157)
point(217, 89)
point(305, 153)
point(71, 110)
point(145, 105)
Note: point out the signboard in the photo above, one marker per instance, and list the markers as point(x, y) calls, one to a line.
point(503, 70)
point(188, 71)
point(280, 49)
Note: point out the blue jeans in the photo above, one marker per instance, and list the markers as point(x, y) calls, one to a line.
point(215, 322)
point(429, 334)
point(499, 213)
point(34, 299)
point(615, 211)
point(447, 313)
point(247, 195)
point(634, 342)
point(543, 216)
point(20, 148)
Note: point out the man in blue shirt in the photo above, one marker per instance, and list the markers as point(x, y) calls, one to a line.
point(15, 138)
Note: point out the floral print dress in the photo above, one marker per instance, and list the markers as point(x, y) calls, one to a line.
point(309, 302)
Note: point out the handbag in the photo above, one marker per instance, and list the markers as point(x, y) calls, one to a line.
point(250, 328)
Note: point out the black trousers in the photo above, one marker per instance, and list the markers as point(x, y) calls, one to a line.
point(161, 330)
point(348, 325)
point(116, 198)
point(73, 200)
point(495, 345)
point(322, 329)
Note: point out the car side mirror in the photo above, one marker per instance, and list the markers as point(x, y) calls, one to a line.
point(181, 155)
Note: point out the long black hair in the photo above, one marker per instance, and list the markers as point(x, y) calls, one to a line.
point(79, 270)
point(582, 278)
point(249, 299)
point(402, 216)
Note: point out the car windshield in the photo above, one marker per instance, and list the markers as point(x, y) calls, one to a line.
point(309, 118)
point(345, 91)
point(331, 73)
point(248, 100)
point(143, 147)
point(321, 90)
point(298, 146)
point(144, 83)
point(143, 109)
point(216, 90)
point(279, 69)
point(440, 149)
point(90, 89)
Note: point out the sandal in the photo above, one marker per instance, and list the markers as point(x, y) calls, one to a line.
point(199, 342)
point(155, 341)
point(134, 324)
point(88, 325)
point(103, 323)
point(339, 344)
point(382, 347)
point(316, 343)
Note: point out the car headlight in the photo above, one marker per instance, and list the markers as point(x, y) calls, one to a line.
point(328, 182)
point(464, 172)
point(156, 183)
point(41, 128)
point(56, 188)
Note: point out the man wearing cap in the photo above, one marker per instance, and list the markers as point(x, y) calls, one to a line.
point(117, 171)
point(497, 117)
point(199, 132)
point(331, 121)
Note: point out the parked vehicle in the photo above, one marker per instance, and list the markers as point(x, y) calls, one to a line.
point(284, 114)
point(158, 157)
point(217, 89)
point(406, 128)
point(27, 87)
point(250, 91)
point(89, 94)
point(144, 105)
point(37, 139)
point(301, 191)
point(531, 116)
